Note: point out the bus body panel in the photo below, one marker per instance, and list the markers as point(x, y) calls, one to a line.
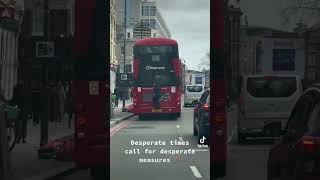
point(142, 101)
point(90, 85)
point(156, 57)
point(91, 134)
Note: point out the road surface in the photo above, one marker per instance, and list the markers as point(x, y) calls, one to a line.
point(244, 161)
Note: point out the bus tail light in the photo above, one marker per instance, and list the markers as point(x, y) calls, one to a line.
point(81, 125)
point(135, 68)
point(206, 107)
point(309, 144)
point(176, 64)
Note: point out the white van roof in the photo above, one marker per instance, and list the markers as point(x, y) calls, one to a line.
point(195, 85)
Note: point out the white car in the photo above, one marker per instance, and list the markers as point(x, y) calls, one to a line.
point(266, 103)
point(193, 94)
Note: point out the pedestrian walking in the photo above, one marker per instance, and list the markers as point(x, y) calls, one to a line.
point(61, 100)
point(116, 92)
point(121, 94)
point(54, 103)
point(37, 104)
point(69, 104)
point(20, 98)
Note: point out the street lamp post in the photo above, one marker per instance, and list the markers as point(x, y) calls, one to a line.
point(124, 49)
point(141, 17)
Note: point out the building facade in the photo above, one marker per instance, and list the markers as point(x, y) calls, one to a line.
point(133, 17)
point(46, 40)
point(312, 38)
point(259, 46)
point(137, 11)
point(10, 21)
point(151, 15)
point(113, 35)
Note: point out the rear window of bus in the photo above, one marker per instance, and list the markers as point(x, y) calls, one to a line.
point(194, 88)
point(271, 86)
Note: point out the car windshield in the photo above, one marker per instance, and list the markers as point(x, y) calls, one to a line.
point(194, 88)
point(271, 86)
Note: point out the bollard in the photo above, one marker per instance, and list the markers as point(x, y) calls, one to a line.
point(5, 166)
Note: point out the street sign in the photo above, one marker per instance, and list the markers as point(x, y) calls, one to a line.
point(124, 77)
point(44, 49)
point(124, 80)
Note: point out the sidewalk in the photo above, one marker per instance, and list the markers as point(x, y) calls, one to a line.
point(24, 157)
point(118, 115)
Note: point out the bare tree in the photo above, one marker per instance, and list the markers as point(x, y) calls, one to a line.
point(205, 62)
point(300, 10)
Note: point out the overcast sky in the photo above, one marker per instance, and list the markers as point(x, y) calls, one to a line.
point(189, 24)
point(268, 13)
point(265, 13)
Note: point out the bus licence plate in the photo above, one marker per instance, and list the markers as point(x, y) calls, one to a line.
point(156, 110)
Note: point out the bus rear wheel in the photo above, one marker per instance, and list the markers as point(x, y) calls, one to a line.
point(99, 173)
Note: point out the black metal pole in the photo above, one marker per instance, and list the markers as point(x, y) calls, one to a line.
point(141, 18)
point(5, 166)
point(44, 126)
point(141, 29)
point(124, 48)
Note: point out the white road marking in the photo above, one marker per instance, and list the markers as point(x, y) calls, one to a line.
point(195, 171)
point(178, 125)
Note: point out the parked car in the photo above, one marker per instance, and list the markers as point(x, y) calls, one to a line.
point(296, 156)
point(201, 117)
point(193, 94)
point(266, 102)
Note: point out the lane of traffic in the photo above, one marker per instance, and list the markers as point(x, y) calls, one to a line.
point(164, 130)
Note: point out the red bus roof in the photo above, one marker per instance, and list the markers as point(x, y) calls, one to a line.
point(155, 42)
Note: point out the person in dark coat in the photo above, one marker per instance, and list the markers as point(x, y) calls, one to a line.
point(157, 95)
point(37, 104)
point(20, 98)
point(69, 104)
point(117, 94)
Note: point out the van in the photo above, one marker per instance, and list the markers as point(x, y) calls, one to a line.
point(193, 94)
point(266, 102)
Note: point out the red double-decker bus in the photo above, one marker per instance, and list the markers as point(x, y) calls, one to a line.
point(156, 77)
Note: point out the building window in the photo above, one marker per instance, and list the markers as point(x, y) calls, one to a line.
point(128, 68)
point(122, 49)
point(145, 11)
point(312, 60)
point(312, 75)
point(153, 11)
point(58, 21)
point(152, 23)
point(317, 59)
point(38, 21)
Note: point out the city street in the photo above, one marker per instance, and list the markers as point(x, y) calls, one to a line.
point(242, 159)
